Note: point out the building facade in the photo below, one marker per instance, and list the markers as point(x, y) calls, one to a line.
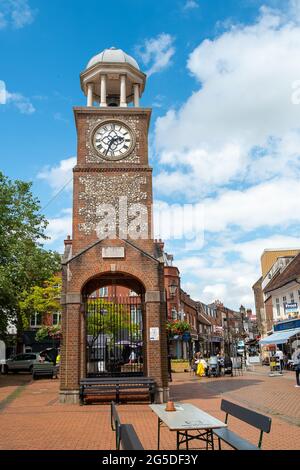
point(282, 292)
point(271, 308)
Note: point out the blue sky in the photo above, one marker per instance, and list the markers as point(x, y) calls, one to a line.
point(225, 125)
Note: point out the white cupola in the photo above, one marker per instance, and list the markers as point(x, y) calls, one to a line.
point(112, 78)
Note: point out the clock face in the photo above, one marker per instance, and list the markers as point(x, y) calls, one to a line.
point(113, 140)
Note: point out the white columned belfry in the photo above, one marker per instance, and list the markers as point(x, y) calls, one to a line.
point(112, 78)
point(136, 94)
point(103, 91)
point(123, 102)
point(90, 89)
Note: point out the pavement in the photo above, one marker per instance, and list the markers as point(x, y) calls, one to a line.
point(32, 418)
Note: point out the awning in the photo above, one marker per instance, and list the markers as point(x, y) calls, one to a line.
point(279, 337)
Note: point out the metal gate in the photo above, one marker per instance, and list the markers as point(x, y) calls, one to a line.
point(114, 332)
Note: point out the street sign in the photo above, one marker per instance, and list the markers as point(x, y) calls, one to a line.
point(186, 336)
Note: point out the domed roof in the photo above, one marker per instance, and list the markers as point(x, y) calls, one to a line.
point(113, 55)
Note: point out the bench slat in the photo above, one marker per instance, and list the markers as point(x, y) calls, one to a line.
point(117, 386)
point(234, 440)
point(253, 418)
point(129, 438)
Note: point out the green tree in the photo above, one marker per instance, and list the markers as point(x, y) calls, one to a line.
point(41, 299)
point(23, 261)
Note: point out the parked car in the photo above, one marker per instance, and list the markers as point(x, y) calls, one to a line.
point(24, 362)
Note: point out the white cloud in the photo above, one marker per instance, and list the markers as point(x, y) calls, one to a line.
point(270, 204)
point(59, 177)
point(214, 276)
point(241, 123)
point(3, 21)
point(16, 13)
point(251, 251)
point(235, 143)
point(228, 282)
point(157, 52)
point(190, 5)
point(21, 102)
point(3, 96)
point(58, 229)
point(59, 117)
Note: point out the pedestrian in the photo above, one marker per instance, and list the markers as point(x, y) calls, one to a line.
point(195, 362)
point(132, 357)
point(296, 361)
point(279, 355)
point(201, 366)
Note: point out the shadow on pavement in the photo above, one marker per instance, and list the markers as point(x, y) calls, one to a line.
point(208, 390)
point(14, 380)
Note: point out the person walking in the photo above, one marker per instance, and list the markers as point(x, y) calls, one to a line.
point(296, 361)
point(279, 355)
point(201, 367)
point(194, 363)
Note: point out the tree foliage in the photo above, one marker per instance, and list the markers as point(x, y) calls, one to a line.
point(48, 331)
point(41, 299)
point(23, 261)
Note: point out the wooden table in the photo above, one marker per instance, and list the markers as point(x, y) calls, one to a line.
point(187, 418)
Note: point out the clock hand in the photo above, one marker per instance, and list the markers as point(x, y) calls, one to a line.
point(109, 145)
point(117, 139)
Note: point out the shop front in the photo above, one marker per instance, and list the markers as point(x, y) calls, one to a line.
point(285, 336)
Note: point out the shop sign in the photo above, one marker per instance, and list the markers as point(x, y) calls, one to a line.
point(291, 307)
point(288, 325)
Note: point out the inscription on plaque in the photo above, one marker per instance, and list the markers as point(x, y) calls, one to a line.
point(113, 252)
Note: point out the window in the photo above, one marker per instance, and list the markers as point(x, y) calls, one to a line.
point(103, 292)
point(56, 318)
point(29, 357)
point(36, 320)
point(292, 296)
point(278, 310)
point(136, 314)
point(299, 292)
point(284, 299)
point(20, 357)
point(277, 301)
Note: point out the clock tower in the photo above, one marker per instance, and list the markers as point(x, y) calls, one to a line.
point(112, 245)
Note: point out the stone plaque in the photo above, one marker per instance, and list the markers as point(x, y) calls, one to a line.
point(113, 252)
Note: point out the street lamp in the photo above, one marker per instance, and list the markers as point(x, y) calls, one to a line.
point(172, 289)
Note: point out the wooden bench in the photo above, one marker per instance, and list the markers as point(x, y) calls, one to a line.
point(129, 439)
point(257, 420)
point(126, 437)
point(115, 423)
point(116, 388)
point(44, 369)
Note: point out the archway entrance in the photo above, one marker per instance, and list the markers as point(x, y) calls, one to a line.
point(114, 311)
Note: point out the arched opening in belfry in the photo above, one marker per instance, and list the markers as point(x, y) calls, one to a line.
point(113, 315)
